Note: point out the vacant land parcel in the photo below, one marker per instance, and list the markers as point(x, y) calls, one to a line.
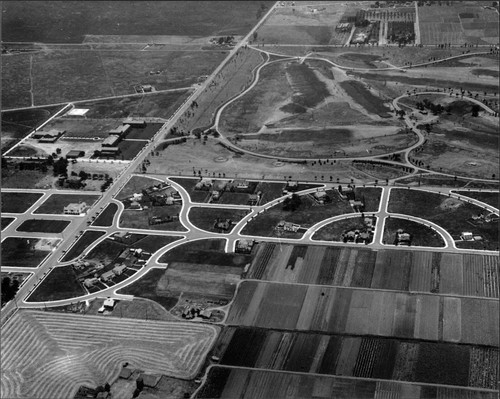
point(26, 251)
point(56, 202)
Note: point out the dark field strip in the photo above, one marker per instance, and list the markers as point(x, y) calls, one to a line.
point(5, 222)
point(18, 202)
point(383, 313)
point(398, 270)
point(105, 219)
point(489, 198)
point(229, 383)
point(43, 226)
point(366, 357)
point(82, 244)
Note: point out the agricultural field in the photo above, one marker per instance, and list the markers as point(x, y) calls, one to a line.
point(309, 212)
point(60, 283)
point(18, 202)
point(61, 75)
point(490, 198)
point(158, 105)
point(16, 125)
point(306, 24)
point(369, 357)
point(16, 85)
point(55, 204)
point(362, 312)
point(60, 358)
point(206, 218)
point(218, 19)
point(245, 383)
point(105, 219)
point(457, 24)
point(43, 226)
point(88, 237)
point(408, 270)
point(87, 129)
point(421, 235)
point(452, 214)
point(26, 251)
point(5, 222)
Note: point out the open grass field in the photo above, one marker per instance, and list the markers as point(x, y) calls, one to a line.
point(130, 148)
point(88, 237)
point(205, 218)
point(18, 202)
point(59, 358)
point(63, 75)
point(56, 202)
point(18, 124)
point(148, 287)
point(5, 222)
point(105, 219)
point(363, 357)
point(26, 251)
point(210, 251)
point(362, 312)
point(232, 80)
point(145, 133)
point(490, 198)
point(309, 213)
point(43, 226)
point(334, 230)
point(409, 270)
point(15, 83)
point(422, 235)
point(60, 283)
point(365, 98)
point(46, 23)
point(86, 129)
point(226, 383)
point(140, 219)
point(452, 214)
point(136, 184)
point(458, 23)
point(306, 24)
point(160, 105)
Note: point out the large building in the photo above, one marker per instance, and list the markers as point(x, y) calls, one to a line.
point(111, 141)
point(75, 209)
point(120, 131)
point(48, 136)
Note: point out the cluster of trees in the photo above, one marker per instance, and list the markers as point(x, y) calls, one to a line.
point(60, 167)
point(436, 109)
point(291, 203)
point(9, 289)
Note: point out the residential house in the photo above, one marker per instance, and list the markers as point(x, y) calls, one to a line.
point(75, 208)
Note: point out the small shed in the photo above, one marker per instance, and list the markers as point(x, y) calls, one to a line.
point(73, 154)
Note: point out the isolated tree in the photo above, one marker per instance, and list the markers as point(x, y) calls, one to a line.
point(58, 151)
point(475, 110)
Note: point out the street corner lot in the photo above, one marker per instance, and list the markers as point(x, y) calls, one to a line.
point(56, 202)
point(18, 202)
point(43, 226)
point(207, 218)
point(26, 252)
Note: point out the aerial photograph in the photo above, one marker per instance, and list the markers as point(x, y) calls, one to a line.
point(167, 165)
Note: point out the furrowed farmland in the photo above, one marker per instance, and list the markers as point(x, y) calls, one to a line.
point(56, 353)
point(365, 357)
point(263, 384)
point(412, 271)
point(366, 312)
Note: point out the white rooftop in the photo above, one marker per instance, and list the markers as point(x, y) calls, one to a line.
point(77, 112)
